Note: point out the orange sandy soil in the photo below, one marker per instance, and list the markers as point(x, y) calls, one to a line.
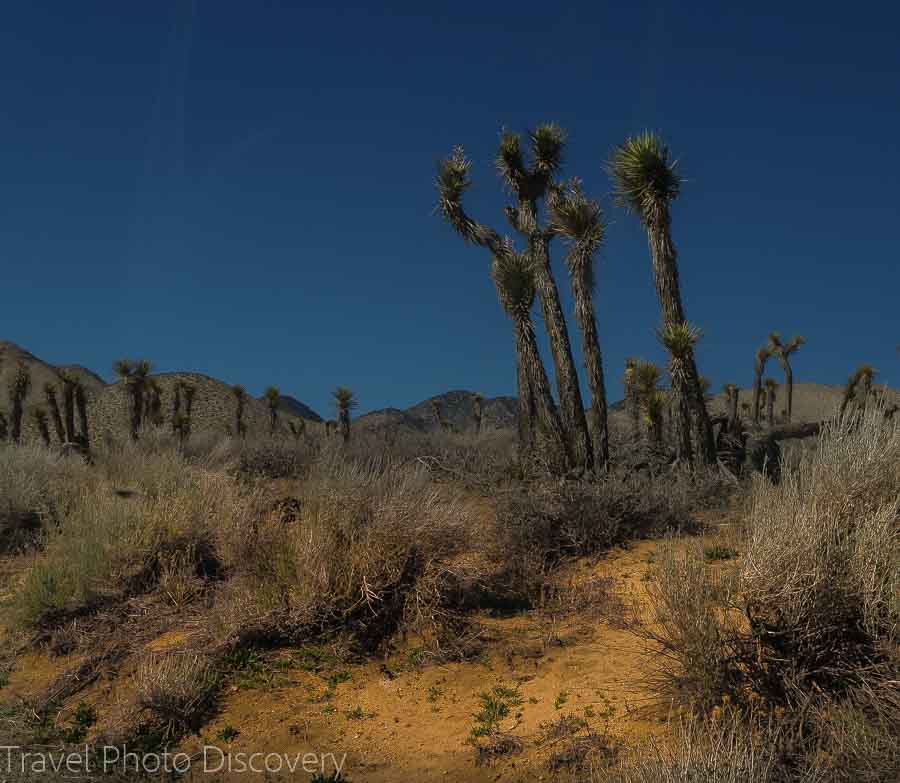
point(399, 721)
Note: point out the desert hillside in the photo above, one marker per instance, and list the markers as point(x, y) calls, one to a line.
point(214, 406)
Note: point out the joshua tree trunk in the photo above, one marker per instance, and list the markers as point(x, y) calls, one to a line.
point(788, 389)
point(665, 275)
point(770, 406)
point(40, 420)
point(762, 356)
point(69, 407)
point(176, 405)
point(547, 416)
point(344, 424)
point(16, 416)
point(478, 412)
point(683, 449)
point(631, 397)
point(53, 405)
point(733, 421)
point(81, 405)
point(4, 427)
point(525, 401)
point(571, 407)
point(598, 420)
point(137, 408)
point(239, 418)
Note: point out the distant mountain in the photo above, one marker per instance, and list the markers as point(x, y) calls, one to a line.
point(294, 407)
point(457, 408)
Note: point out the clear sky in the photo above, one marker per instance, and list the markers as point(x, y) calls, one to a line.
point(246, 189)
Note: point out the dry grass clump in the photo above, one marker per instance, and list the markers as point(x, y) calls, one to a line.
point(724, 751)
point(805, 627)
point(177, 692)
point(112, 544)
point(36, 488)
point(353, 555)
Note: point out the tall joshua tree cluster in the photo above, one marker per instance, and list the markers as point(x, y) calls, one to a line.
point(542, 208)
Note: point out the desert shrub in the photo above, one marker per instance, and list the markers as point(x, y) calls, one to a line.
point(804, 629)
point(723, 751)
point(538, 524)
point(111, 546)
point(695, 624)
point(351, 556)
point(37, 486)
point(176, 691)
point(821, 574)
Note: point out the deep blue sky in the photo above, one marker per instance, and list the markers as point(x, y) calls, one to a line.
point(245, 189)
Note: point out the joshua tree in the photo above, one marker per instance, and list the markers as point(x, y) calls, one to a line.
point(849, 391)
point(345, 402)
point(240, 397)
point(631, 397)
point(679, 340)
point(762, 356)
point(732, 398)
point(134, 376)
point(19, 386)
point(181, 421)
point(514, 279)
point(53, 405)
point(771, 386)
point(297, 428)
point(81, 407)
point(782, 351)
point(181, 425)
point(153, 402)
point(438, 416)
point(188, 390)
point(528, 184)
point(653, 407)
point(40, 421)
point(646, 385)
point(579, 221)
point(176, 403)
point(478, 411)
point(866, 374)
point(4, 426)
point(272, 396)
point(69, 382)
point(647, 184)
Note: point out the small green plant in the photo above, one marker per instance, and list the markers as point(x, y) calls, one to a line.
point(358, 713)
point(434, 693)
point(228, 733)
point(83, 718)
point(561, 698)
point(329, 709)
point(495, 707)
point(713, 553)
point(335, 678)
point(248, 668)
point(315, 658)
